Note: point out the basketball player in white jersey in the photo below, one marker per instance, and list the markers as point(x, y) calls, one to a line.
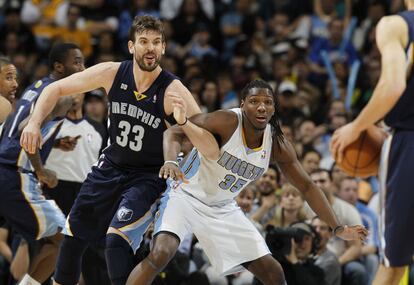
point(232, 148)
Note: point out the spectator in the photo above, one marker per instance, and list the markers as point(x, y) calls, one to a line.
point(348, 253)
point(298, 265)
point(290, 209)
point(44, 16)
point(210, 97)
point(326, 259)
point(267, 184)
point(332, 45)
point(96, 106)
point(310, 159)
point(71, 33)
point(289, 112)
point(187, 20)
point(349, 193)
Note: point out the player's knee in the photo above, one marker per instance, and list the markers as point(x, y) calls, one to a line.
point(119, 258)
point(69, 261)
point(161, 254)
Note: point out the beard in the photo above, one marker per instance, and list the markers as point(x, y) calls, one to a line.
point(145, 67)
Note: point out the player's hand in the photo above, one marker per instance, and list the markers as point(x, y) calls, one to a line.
point(31, 138)
point(170, 170)
point(48, 177)
point(179, 107)
point(352, 233)
point(67, 143)
point(343, 137)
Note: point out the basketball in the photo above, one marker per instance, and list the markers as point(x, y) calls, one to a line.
point(362, 157)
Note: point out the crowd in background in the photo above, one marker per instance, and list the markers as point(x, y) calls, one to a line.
point(321, 58)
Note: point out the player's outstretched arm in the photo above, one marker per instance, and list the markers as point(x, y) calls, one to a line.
point(100, 75)
point(203, 129)
point(391, 37)
point(285, 156)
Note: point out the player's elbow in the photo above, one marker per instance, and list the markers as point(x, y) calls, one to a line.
point(394, 88)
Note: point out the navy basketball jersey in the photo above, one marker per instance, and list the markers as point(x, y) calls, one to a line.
point(10, 151)
point(402, 114)
point(136, 121)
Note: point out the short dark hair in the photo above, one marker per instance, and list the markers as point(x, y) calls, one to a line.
point(321, 170)
point(274, 121)
point(307, 150)
point(4, 61)
point(145, 23)
point(59, 52)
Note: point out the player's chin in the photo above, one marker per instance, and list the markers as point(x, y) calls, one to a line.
point(260, 126)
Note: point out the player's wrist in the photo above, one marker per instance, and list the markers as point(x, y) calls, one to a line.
point(172, 162)
point(338, 229)
point(182, 124)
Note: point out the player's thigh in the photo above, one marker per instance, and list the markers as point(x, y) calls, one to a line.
point(399, 201)
point(27, 210)
point(96, 202)
point(229, 239)
point(137, 207)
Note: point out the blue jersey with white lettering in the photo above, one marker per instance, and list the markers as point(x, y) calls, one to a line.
point(136, 121)
point(401, 115)
point(11, 153)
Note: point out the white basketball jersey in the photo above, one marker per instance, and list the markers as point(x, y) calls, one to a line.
point(215, 182)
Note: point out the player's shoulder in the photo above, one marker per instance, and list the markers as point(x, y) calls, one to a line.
point(176, 85)
point(108, 66)
point(392, 23)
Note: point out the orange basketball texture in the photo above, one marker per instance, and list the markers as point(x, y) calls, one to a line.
point(362, 157)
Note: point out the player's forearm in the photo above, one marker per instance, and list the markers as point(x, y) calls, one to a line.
point(202, 139)
point(368, 249)
point(172, 141)
point(45, 104)
point(352, 253)
point(36, 161)
point(5, 251)
point(383, 100)
point(320, 205)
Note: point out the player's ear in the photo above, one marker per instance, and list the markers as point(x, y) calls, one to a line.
point(241, 103)
point(131, 47)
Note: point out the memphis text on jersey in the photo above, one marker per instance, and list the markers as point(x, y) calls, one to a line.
point(135, 112)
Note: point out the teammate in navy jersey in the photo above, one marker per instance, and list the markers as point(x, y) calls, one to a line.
point(8, 87)
point(392, 100)
point(22, 204)
point(232, 149)
point(122, 190)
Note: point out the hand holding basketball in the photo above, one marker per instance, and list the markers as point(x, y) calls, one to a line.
point(358, 157)
point(343, 137)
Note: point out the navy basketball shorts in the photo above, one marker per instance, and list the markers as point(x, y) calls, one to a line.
point(397, 199)
point(114, 197)
point(24, 207)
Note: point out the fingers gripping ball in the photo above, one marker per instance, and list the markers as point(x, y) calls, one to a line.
point(362, 157)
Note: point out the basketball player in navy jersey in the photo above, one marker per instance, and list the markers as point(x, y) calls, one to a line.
point(8, 87)
point(392, 101)
point(232, 149)
point(22, 203)
point(122, 190)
